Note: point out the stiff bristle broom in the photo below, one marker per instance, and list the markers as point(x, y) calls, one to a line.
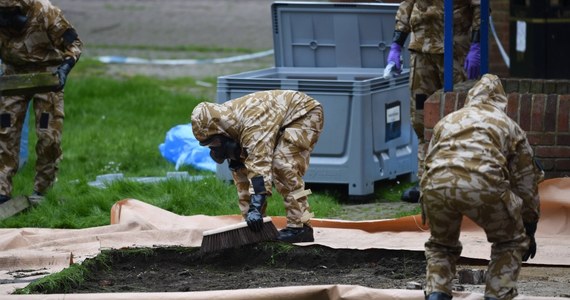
point(235, 235)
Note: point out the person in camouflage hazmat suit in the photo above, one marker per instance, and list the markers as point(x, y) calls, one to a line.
point(423, 20)
point(267, 138)
point(34, 37)
point(479, 164)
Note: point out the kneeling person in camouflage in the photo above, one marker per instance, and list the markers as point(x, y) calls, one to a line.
point(479, 164)
point(267, 138)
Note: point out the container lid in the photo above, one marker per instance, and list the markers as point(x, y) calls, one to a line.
point(332, 34)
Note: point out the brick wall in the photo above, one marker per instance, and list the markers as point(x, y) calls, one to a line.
point(540, 107)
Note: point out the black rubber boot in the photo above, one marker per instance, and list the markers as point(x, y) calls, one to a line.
point(412, 194)
point(4, 198)
point(296, 235)
point(438, 296)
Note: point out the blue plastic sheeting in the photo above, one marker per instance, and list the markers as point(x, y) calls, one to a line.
point(181, 148)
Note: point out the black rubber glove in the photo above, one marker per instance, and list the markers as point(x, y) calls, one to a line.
point(235, 165)
point(62, 72)
point(254, 217)
point(530, 229)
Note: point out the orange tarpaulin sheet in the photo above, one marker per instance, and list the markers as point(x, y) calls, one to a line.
point(138, 224)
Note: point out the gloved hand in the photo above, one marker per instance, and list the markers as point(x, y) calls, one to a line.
point(62, 72)
point(473, 61)
point(394, 56)
point(235, 165)
point(254, 218)
point(530, 229)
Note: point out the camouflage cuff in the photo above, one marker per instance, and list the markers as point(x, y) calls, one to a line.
point(475, 36)
point(400, 37)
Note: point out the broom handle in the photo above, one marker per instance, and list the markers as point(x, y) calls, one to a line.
point(232, 227)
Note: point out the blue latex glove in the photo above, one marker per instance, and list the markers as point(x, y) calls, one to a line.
point(394, 56)
point(473, 61)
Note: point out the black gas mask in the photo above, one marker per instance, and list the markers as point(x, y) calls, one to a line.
point(222, 148)
point(12, 18)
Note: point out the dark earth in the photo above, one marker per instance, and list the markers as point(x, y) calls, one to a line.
point(238, 24)
point(249, 267)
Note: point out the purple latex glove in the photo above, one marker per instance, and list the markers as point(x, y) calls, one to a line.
point(473, 61)
point(394, 56)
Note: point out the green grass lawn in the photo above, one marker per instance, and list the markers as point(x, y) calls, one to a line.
point(115, 125)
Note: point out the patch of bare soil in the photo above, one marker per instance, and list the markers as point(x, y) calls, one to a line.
point(266, 265)
point(257, 266)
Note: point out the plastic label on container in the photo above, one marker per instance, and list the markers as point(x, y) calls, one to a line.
point(393, 121)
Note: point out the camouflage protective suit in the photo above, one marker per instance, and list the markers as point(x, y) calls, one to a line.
point(42, 45)
point(277, 131)
point(424, 21)
point(479, 164)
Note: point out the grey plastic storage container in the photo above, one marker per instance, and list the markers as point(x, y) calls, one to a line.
point(336, 53)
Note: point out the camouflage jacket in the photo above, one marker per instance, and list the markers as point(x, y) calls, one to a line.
point(255, 121)
point(479, 147)
point(423, 19)
point(47, 39)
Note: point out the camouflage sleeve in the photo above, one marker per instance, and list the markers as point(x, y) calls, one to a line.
point(63, 35)
point(476, 22)
point(524, 177)
point(242, 184)
point(403, 16)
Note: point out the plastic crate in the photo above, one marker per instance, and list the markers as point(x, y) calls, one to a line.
point(367, 134)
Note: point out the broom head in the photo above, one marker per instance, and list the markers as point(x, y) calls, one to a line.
point(236, 235)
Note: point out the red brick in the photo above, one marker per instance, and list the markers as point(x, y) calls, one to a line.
point(540, 138)
point(550, 113)
point(537, 118)
point(511, 85)
point(431, 111)
point(525, 103)
point(549, 87)
point(524, 86)
point(563, 164)
point(563, 140)
point(562, 87)
point(428, 133)
point(461, 97)
point(547, 164)
point(513, 106)
point(563, 113)
point(449, 102)
point(552, 151)
point(536, 86)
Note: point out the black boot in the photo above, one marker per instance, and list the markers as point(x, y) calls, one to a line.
point(438, 296)
point(296, 235)
point(4, 198)
point(412, 194)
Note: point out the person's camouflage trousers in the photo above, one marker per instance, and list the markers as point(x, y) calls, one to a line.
point(426, 77)
point(498, 214)
point(49, 113)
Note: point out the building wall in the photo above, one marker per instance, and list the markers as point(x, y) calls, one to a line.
point(540, 107)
